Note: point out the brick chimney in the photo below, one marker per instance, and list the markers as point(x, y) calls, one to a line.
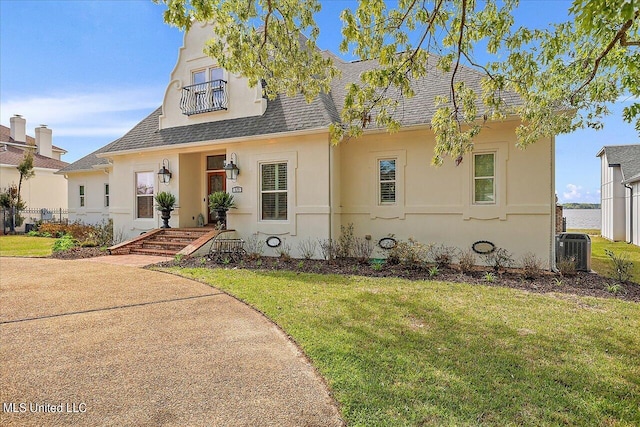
point(18, 128)
point(44, 141)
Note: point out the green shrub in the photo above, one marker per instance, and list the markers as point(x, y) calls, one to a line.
point(622, 267)
point(434, 271)
point(95, 235)
point(489, 277)
point(64, 243)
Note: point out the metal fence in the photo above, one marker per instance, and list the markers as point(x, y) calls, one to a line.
point(22, 221)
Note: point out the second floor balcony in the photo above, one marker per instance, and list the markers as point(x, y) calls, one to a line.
point(204, 97)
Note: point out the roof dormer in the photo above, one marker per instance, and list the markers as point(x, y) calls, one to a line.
point(200, 91)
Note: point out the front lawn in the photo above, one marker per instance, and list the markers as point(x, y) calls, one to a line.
point(397, 352)
point(26, 246)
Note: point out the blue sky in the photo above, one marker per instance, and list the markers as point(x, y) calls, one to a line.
point(91, 70)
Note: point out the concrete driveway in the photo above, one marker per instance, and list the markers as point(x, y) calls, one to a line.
point(88, 343)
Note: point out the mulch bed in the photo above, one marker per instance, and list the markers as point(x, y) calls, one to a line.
point(79, 253)
point(583, 284)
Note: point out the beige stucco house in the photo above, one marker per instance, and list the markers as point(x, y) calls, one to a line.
point(45, 190)
point(295, 185)
point(620, 192)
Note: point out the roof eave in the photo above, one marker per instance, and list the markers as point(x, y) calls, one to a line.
point(234, 140)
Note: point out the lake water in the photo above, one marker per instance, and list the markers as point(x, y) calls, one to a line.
point(583, 218)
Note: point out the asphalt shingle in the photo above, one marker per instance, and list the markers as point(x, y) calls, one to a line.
point(289, 114)
point(628, 157)
point(11, 155)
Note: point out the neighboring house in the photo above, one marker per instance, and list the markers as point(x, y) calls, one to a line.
point(619, 193)
point(44, 189)
point(293, 184)
point(89, 189)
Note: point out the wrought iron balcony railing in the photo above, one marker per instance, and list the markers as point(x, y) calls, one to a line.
point(204, 97)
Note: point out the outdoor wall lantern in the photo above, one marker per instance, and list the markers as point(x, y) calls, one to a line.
point(230, 168)
point(164, 175)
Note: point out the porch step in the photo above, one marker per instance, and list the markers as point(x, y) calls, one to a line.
point(161, 252)
point(166, 242)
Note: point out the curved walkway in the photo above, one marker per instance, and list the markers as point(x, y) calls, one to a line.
point(122, 346)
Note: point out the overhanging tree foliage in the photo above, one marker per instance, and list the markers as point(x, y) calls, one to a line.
point(565, 75)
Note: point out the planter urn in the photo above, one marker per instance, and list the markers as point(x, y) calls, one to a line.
point(166, 215)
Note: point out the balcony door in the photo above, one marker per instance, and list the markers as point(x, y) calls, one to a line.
point(217, 181)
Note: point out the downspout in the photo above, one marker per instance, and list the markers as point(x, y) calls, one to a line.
point(630, 211)
point(329, 167)
point(552, 261)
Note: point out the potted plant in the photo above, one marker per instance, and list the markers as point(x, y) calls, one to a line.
point(220, 202)
point(165, 202)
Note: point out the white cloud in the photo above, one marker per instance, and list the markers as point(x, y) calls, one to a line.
point(99, 113)
point(573, 192)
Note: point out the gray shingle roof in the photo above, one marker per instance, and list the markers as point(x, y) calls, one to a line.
point(420, 108)
point(627, 157)
point(283, 114)
point(287, 114)
point(88, 162)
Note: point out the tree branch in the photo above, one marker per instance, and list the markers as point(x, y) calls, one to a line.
point(621, 36)
point(455, 70)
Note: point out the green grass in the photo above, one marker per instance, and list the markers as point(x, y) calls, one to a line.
point(411, 353)
point(601, 263)
point(590, 231)
point(26, 246)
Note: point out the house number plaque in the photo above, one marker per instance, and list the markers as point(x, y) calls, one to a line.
point(236, 189)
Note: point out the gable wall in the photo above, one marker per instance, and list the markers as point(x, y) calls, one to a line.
point(244, 101)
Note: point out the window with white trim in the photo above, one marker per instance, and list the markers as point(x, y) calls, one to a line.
point(386, 181)
point(144, 194)
point(273, 192)
point(81, 193)
point(106, 195)
point(484, 183)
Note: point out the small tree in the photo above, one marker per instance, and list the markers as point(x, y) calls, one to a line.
point(26, 170)
point(10, 201)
